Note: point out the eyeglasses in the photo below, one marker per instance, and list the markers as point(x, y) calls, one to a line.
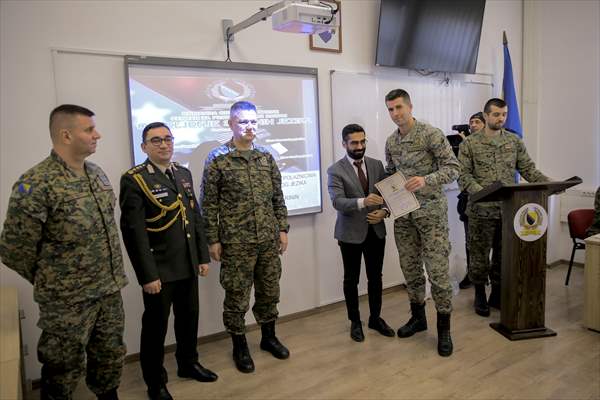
point(246, 122)
point(357, 142)
point(157, 141)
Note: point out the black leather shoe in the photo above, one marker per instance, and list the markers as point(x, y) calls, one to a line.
point(159, 393)
point(356, 332)
point(197, 372)
point(380, 326)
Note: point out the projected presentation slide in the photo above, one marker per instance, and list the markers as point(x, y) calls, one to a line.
point(194, 102)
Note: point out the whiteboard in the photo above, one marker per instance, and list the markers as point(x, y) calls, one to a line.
point(359, 98)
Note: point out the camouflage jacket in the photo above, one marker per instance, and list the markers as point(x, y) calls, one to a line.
point(485, 160)
point(242, 200)
point(60, 233)
point(424, 151)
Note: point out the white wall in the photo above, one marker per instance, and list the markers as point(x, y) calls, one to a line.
point(562, 99)
point(189, 29)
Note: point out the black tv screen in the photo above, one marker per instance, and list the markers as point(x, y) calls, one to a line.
point(430, 35)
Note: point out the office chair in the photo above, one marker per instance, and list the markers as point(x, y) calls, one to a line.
point(579, 222)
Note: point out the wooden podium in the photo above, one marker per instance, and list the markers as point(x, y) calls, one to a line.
point(523, 277)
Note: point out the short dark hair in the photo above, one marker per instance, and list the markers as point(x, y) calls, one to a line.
point(493, 102)
point(394, 94)
point(349, 129)
point(241, 105)
point(153, 125)
point(68, 109)
point(478, 116)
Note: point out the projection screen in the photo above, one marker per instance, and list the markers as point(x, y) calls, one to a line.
point(193, 98)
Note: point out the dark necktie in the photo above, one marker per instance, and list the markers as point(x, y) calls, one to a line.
point(362, 178)
point(169, 174)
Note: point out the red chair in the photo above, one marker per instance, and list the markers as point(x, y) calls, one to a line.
point(579, 222)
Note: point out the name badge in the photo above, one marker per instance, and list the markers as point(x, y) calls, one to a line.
point(161, 195)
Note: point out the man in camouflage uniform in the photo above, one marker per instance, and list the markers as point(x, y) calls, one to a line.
point(246, 226)
point(424, 156)
point(61, 236)
point(487, 156)
point(476, 123)
point(164, 236)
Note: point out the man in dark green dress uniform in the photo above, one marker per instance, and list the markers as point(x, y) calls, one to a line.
point(164, 236)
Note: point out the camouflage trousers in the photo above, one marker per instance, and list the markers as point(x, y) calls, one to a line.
point(485, 234)
point(72, 332)
point(424, 240)
point(243, 265)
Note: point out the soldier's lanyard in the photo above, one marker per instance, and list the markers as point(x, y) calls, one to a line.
point(163, 208)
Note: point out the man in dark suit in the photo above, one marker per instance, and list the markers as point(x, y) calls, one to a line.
point(164, 236)
point(359, 227)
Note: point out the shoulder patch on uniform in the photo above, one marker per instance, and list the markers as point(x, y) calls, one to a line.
point(25, 188)
point(104, 179)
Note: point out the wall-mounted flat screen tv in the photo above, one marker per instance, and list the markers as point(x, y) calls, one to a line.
point(430, 35)
point(193, 98)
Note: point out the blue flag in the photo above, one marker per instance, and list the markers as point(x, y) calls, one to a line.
point(513, 120)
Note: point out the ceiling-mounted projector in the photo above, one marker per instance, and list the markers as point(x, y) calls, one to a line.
point(304, 18)
point(297, 16)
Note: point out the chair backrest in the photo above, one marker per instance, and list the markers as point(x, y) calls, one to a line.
point(579, 222)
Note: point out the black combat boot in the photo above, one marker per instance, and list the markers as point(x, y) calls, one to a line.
point(465, 283)
point(444, 339)
point(109, 395)
point(270, 343)
point(241, 354)
point(494, 300)
point(480, 303)
point(416, 323)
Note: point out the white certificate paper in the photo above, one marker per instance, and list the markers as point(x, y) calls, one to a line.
point(398, 200)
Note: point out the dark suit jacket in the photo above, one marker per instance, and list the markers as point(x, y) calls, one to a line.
point(170, 254)
point(344, 189)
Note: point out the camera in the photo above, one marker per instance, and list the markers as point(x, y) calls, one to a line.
point(461, 128)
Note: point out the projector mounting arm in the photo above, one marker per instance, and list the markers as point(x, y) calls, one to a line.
point(229, 29)
point(298, 16)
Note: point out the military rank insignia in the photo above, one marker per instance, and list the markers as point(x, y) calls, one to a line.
point(263, 161)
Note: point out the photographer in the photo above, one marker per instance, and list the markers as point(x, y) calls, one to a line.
point(476, 123)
